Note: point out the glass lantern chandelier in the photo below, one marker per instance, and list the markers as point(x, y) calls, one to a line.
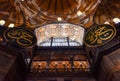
point(60, 34)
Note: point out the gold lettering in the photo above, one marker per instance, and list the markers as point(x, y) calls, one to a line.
point(100, 34)
point(20, 36)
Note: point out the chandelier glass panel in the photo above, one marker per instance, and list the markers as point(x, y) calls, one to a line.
point(60, 34)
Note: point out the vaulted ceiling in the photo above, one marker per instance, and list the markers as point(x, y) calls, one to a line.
point(107, 10)
point(33, 13)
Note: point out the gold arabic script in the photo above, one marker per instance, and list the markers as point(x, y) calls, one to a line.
point(99, 35)
point(22, 37)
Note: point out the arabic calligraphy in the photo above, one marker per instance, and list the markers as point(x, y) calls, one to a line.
point(20, 37)
point(99, 35)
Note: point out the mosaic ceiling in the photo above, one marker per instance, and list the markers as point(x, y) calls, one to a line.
point(33, 13)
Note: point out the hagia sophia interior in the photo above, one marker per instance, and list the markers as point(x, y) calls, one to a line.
point(59, 40)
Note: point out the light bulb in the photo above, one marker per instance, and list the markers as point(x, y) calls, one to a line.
point(11, 25)
point(106, 22)
point(59, 19)
point(79, 13)
point(2, 22)
point(116, 20)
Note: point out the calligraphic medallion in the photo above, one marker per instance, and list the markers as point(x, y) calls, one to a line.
point(20, 36)
point(99, 35)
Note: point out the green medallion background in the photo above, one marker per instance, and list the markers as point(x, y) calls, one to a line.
point(20, 36)
point(99, 35)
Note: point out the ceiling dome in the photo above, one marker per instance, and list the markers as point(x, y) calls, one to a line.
point(58, 7)
point(33, 13)
point(107, 11)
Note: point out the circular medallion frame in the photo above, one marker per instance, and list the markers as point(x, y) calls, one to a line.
point(99, 35)
point(20, 36)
